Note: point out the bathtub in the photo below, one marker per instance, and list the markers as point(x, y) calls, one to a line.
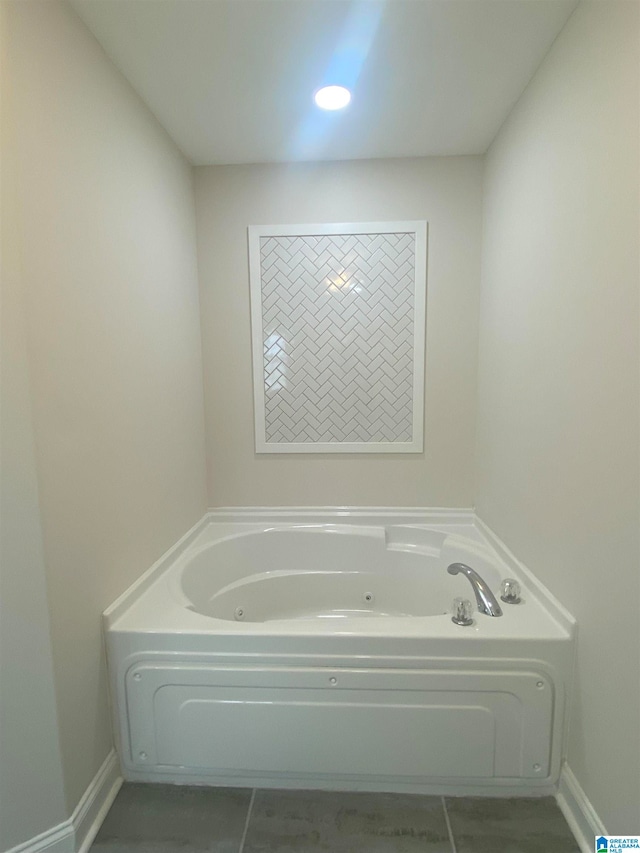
point(317, 650)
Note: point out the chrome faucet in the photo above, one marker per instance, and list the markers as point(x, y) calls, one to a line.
point(485, 599)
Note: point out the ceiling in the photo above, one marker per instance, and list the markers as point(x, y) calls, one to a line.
point(232, 81)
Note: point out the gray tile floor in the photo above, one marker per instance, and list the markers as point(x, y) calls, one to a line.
point(168, 819)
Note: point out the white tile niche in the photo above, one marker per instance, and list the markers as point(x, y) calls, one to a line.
point(338, 336)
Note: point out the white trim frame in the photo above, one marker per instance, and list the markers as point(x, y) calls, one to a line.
point(416, 227)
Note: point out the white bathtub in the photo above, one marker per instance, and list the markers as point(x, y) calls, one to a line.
point(294, 651)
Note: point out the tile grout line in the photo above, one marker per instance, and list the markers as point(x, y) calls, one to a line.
point(448, 822)
point(246, 823)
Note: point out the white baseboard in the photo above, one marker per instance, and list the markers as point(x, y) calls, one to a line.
point(581, 816)
point(58, 839)
point(76, 834)
point(96, 801)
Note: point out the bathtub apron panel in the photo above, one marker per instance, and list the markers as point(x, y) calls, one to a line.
point(408, 725)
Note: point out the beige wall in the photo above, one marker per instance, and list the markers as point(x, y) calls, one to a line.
point(31, 785)
point(446, 192)
point(107, 218)
point(558, 373)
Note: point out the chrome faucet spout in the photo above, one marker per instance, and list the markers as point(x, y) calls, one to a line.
point(485, 599)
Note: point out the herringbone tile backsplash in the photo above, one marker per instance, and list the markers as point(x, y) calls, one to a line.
point(338, 327)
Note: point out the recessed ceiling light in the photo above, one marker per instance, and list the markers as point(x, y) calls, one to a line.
point(332, 97)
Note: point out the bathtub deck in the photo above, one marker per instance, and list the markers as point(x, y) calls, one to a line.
point(168, 819)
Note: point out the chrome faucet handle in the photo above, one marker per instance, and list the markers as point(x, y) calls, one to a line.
point(510, 591)
point(462, 612)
